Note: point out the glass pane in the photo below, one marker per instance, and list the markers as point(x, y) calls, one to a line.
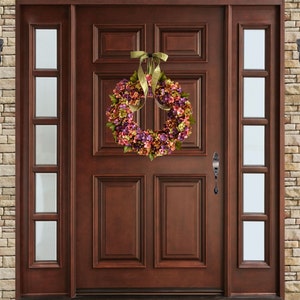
point(254, 49)
point(254, 193)
point(46, 192)
point(254, 240)
point(254, 97)
point(254, 145)
point(46, 144)
point(46, 97)
point(45, 241)
point(46, 48)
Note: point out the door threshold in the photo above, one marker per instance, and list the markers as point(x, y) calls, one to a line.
point(148, 293)
point(153, 297)
point(177, 297)
point(164, 294)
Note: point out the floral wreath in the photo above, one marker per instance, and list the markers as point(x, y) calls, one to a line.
point(130, 95)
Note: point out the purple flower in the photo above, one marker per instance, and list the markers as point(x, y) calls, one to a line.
point(163, 137)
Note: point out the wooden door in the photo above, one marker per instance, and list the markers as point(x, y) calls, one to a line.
point(149, 226)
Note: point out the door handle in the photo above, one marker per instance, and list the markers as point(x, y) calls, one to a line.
point(216, 169)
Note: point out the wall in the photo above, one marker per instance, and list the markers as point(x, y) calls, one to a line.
point(292, 150)
point(7, 150)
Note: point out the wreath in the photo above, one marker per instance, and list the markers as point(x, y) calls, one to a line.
point(130, 95)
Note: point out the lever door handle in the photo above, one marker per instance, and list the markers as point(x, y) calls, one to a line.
point(216, 169)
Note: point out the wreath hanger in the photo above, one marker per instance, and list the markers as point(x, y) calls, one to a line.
point(153, 69)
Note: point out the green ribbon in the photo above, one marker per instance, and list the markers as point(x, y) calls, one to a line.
point(153, 68)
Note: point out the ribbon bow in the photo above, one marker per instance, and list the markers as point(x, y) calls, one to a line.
point(153, 68)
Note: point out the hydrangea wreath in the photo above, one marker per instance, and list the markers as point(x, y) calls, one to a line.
point(128, 96)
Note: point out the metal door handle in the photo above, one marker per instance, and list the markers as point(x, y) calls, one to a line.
point(216, 168)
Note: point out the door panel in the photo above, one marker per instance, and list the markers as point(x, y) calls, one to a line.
point(179, 236)
point(119, 235)
point(142, 224)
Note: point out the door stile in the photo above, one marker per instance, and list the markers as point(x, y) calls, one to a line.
point(281, 159)
point(72, 151)
point(227, 149)
point(19, 151)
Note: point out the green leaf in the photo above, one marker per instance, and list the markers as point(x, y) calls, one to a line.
point(127, 149)
point(134, 77)
point(185, 95)
point(162, 77)
point(115, 136)
point(110, 125)
point(192, 120)
point(178, 145)
point(151, 156)
point(113, 99)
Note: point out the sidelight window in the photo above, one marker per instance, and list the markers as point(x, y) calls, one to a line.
point(254, 126)
point(254, 97)
point(46, 97)
point(254, 193)
point(254, 49)
point(45, 241)
point(254, 241)
point(45, 145)
point(45, 192)
point(253, 145)
point(46, 48)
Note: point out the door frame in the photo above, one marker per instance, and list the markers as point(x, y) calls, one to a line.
point(229, 131)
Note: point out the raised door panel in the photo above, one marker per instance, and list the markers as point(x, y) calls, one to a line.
point(119, 230)
point(195, 86)
point(114, 42)
point(186, 40)
point(103, 141)
point(180, 221)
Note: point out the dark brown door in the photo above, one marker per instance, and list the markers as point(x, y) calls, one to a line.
point(142, 225)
